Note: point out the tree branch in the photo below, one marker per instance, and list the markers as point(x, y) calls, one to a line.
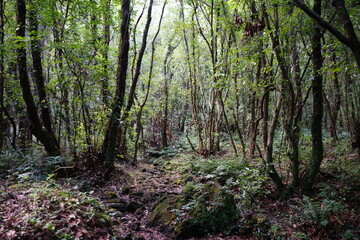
point(323, 23)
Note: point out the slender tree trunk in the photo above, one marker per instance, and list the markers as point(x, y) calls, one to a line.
point(236, 117)
point(316, 126)
point(105, 53)
point(253, 124)
point(294, 138)
point(192, 83)
point(228, 125)
point(139, 126)
point(131, 97)
point(334, 108)
point(130, 101)
point(288, 94)
point(164, 134)
point(58, 32)
point(110, 141)
point(12, 71)
point(270, 166)
point(2, 76)
point(167, 77)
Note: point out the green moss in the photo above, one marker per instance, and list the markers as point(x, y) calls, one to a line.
point(163, 212)
point(207, 218)
point(208, 210)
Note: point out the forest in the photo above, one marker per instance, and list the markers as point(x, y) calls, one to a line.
point(179, 119)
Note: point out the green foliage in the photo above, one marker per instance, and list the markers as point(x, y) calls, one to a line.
point(275, 231)
point(299, 236)
point(232, 175)
point(212, 206)
point(317, 213)
point(36, 166)
point(350, 234)
point(208, 210)
point(10, 160)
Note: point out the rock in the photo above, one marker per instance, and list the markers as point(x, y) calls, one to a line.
point(120, 205)
point(188, 178)
point(150, 197)
point(162, 214)
point(126, 190)
point(84, 186)
point(132, 206)
point(135, 226)
point(127, 236)
point(124, 206)
point(213, 212)
point(140, 238)
point(136, 194)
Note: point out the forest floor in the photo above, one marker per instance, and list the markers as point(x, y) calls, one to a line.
point(83, 207)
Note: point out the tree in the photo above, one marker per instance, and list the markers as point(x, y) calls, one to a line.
point(131, 97)
point(38, 129)
point(110, 141)
point(142, 105)
point(105, 51)
point(317, 89)
point(2, 75)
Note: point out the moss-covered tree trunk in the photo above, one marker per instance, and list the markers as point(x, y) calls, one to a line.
point(110, 141)
point(317, 89)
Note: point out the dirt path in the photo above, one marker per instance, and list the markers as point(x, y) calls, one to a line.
point(131, 205)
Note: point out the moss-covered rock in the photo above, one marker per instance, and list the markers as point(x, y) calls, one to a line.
point(162, 213)
point(209, 217)
point(199, 210)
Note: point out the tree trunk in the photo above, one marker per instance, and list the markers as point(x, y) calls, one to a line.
point(288, 95)
point(39, 77)
point(253, 124)
point(270, 167)
point(236, 118)
point(110, 141)
point(192, 83)
point(2, 77)
point(104, 53)
point(167, 77)
point(58, 33)
point(164, 134)
point(228, 125)
point(51, 146)
point(122, 150)
point(139, 126)
point(350, 38)
point(316, 126)
point(335, 107)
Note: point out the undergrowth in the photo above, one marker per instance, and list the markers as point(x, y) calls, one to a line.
point(46, 210)
point(217, 196)
point(34, 165)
